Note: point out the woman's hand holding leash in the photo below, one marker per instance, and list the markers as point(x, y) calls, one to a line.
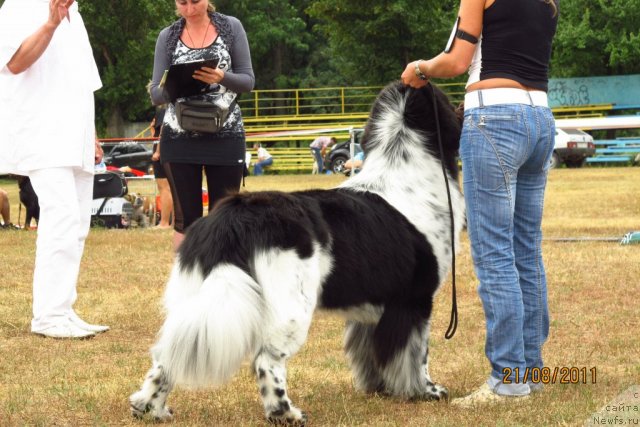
point(413, 75)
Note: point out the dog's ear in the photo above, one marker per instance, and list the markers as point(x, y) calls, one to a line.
point(418, 109)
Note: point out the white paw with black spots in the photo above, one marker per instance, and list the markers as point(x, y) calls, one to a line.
point(141, 405)
point(436, 392)
point(291, 417)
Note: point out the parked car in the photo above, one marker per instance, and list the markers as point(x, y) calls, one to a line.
point(335, 159)
point(128, 153)
point(572, 147)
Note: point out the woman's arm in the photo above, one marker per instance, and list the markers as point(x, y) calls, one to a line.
point(160, 64)
point(242, 78)
point(457, 61)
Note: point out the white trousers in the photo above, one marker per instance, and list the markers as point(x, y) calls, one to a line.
point(65, 196)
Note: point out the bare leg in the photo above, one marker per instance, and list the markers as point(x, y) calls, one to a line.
point(177, 240)
point(5, 210)
point(166, 203)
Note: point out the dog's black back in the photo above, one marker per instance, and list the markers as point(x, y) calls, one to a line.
point(29, 199)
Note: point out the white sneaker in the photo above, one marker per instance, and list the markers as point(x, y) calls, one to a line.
point(484, 395)
point(76, 320)
point(63, 329)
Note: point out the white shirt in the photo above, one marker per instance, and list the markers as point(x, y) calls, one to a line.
point(47, 112)
point(476, 65)
point(263, 154)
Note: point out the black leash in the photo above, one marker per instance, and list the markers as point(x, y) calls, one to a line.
point(453, 322)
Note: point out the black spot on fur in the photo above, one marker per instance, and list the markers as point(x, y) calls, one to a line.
point(261, 373)
point(279, 392)
point(278, 412)
point(284, 405)
point(263, 391)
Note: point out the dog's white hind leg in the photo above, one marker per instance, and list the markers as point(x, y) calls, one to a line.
point(152, 396)
point(290, 288)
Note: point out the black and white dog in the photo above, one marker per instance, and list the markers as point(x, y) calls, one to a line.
point(249, 276)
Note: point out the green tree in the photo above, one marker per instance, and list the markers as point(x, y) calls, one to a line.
point(123, 35)
point(279, 38)
point(371, 41)
point(595, 38)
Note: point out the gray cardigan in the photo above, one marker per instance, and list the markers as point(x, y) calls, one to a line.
point(240, 79)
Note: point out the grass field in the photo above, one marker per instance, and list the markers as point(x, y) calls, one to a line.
point(594, 289)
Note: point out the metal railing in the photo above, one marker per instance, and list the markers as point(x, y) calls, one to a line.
point(315, 102)
point(295, 110)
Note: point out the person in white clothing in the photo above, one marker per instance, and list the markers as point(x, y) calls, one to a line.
point(264, 159)
point(47, 79)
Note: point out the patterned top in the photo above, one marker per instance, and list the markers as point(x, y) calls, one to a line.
point(226, 147)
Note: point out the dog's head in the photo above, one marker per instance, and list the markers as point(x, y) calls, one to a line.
point(404, 119)
point(136, 200)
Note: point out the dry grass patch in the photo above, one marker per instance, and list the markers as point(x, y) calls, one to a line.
point(593, 294)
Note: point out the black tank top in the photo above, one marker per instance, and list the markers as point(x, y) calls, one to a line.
point(516, 41)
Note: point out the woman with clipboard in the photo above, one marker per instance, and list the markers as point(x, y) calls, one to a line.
point(201, 34)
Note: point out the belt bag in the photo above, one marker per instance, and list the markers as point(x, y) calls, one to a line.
point(201, 116)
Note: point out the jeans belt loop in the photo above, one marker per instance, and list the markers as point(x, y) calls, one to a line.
point(530, 98)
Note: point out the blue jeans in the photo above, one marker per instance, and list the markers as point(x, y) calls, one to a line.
point(257, 168)
point(505, 152)
point(317, 154)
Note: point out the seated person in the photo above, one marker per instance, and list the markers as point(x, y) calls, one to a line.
point(355, 163)
point(264, 159)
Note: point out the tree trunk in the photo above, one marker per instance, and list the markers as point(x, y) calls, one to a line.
point(115, 125)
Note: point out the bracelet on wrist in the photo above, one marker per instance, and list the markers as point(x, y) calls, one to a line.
point(419, 72)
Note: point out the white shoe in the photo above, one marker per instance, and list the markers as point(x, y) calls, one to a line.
point(63, 329)
point(76, 320)
point(483, 396)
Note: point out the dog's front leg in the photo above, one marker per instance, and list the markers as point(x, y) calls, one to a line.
point(152, 396)
point(271, 374)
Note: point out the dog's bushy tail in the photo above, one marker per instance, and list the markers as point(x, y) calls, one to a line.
point(212, 324)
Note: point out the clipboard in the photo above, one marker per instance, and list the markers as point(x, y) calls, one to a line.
point(178, 80)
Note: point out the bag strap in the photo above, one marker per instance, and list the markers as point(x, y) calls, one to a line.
point(104, 202)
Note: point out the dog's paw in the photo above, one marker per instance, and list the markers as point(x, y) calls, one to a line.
point(162, 415)
point(436, 392)
point(140, 406)
point(291, 417)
